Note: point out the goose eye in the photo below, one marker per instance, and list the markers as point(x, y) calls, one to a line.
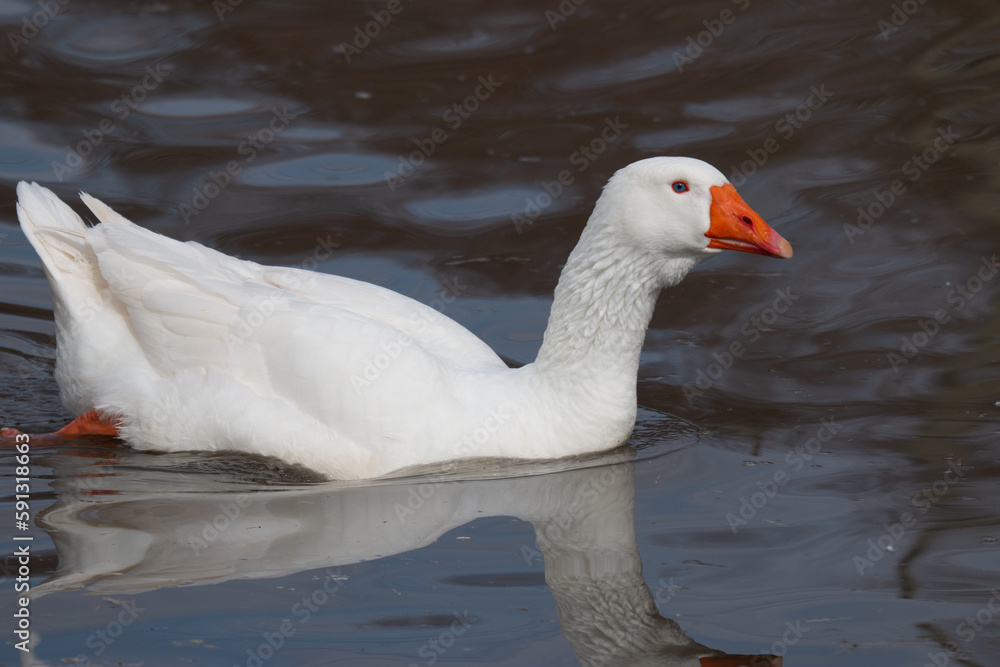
point(680, 186)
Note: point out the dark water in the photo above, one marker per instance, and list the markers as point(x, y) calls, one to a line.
point(828, 489)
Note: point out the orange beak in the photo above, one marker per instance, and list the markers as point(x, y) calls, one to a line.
point(735, 226)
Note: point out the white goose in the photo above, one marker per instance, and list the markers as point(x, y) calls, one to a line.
point(173, 346)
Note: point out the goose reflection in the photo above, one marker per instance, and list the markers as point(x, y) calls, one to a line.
point(137, 522)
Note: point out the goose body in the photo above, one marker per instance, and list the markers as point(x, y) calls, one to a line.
point(185, 348)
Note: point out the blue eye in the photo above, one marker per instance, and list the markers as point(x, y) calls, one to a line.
point(680, 186)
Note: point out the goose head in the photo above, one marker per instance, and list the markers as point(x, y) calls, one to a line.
point(683, 207)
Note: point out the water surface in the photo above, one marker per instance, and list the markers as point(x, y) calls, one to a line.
point(829, 494)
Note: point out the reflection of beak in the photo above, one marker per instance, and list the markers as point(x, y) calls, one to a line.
point(735, 226)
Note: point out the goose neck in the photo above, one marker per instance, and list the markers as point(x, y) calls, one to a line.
point(604, 302)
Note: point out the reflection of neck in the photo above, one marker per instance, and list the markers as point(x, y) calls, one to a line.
point(593, 567)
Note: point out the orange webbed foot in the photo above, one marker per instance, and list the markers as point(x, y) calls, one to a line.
point(89, 423)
